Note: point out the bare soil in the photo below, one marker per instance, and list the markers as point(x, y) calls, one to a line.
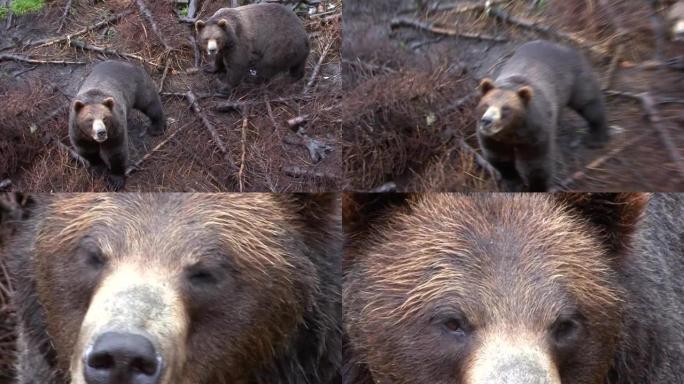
point(263, 148)
point(445, 70)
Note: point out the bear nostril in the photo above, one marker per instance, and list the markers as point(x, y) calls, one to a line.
point(117, 355)
point(486, 121)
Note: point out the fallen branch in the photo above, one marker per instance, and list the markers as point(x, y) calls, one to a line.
point(166, 71)
point(237, 106)
point(532, 25)
point(53, 40)
point(430, 27)
point(481, 161)
point(192, 9)
point(108, 51)
point(579, 175)
point(145, 12)
point(136, 166)
point(24, 59)
point(613, 66)
point(654, 117)
point(192, 100)
point(317, 68)
point(74, 155)
point(64, 16)
point(196, 51)
point(243, 140)
point(298, 172)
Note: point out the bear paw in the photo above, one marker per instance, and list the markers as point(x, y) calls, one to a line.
point(116, 182)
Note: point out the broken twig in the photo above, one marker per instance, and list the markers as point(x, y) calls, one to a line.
point(24, 59)
point(317, 68)
point(194, 104)
point(64, 16)
point(145, 12)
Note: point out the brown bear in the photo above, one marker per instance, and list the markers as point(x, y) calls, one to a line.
point(519, 112)
point(268, 38)
point(98, 115)
point(514, 289)
point(178, 289)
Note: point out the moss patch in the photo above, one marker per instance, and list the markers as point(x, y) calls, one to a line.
point(22, 7)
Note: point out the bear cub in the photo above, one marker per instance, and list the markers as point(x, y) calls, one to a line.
point(519, 112)
point(99, 112)
point(268, 38)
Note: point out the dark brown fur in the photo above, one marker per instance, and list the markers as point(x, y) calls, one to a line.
point(534, 85)
point(270, 317)
point(514, 269)
point(109, 93)
point(268, 38)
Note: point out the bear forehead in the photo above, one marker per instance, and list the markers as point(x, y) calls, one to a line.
point(94, 111)
point(500, 97)
point(254, 229)
point(212, 30)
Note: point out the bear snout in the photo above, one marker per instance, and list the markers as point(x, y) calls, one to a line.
point(678, 30)
point(99, 131)
point(122, 358)
point(212, 47)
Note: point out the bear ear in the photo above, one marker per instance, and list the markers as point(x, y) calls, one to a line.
point(486, 85)
point(223, 23)
point(199, 24)
point(525, 93)
point(614, 216)
point(109, 103)
point(78, 105)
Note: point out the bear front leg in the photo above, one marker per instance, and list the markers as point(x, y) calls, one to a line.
point(505, 164)
point(537, 171)
point(117, 165)
point(216, 64)
point(153, 110)
point(234, 76)
point(595, 115)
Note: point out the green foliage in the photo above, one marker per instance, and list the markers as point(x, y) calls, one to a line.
point(3, 12)
point(22, 7)
point(184, 11)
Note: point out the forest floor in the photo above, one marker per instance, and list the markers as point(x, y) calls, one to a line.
point(254, 147)
point(420, 66)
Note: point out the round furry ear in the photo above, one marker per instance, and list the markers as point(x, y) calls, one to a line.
point(199, 24)
point(223, 23)
point(108, 102)
point(525, 93)
point(486, 85)
point(78, 105)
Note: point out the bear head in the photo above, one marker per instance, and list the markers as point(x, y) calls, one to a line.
point(484, 289)
point(502, 110)
point(215, 37)
point(176, 288)
point(94, 119)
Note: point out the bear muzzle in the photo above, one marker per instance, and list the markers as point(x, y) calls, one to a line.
point(122, 358)
point(99, 132)
point(212, 47)
point(678, 30)
point(490, 121)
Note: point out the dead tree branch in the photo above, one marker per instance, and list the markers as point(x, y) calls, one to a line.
point(53, 40)
point(298, 172)
point(64, 16)
point(400, 22)
point(481, 161)
point(192, 100)
point(24, 59)
point(579, 175)
point(145, 12)
point(136, 166)
point(531, 25)
point(108, 51)
point(317, 68)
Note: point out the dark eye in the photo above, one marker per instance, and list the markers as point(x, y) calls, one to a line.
point(201, 276)
point(566, 329)
point(92, 255)
point(455, 326)
point(505, 110)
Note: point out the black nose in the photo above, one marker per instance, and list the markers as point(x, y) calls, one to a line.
point(122, 358)
point(486, 121)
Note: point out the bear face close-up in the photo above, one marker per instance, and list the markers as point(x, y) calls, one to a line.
point(178, 288)
point(515, 289)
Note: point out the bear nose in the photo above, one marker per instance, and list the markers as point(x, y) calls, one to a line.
point(212, 51)
point(122, 358)
point(486, 121)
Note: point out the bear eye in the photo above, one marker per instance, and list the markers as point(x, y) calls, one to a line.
point(566, 329)
point(455, 326)
point(505, 110)
point(92, 255)
point(201, 276)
